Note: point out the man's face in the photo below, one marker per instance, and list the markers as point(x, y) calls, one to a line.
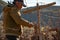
point(19, 4)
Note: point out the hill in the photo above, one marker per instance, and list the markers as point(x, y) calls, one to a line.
point(49, 16)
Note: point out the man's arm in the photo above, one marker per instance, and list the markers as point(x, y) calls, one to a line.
point(18, 19)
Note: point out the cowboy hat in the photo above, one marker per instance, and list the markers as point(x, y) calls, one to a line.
point(19, 1)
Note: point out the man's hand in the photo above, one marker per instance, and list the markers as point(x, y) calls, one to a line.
point(31, 25)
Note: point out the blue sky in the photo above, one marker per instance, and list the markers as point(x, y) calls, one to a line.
point(41, 2)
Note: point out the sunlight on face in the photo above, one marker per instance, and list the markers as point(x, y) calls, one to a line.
point(19, 4)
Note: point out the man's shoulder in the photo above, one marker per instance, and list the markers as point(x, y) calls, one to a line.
point(9, 8)
point(14, 8)
point(6, 8)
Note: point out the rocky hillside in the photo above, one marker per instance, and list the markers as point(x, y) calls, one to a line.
point(50, 15)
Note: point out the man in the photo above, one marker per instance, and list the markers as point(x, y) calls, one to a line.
point(12, 20)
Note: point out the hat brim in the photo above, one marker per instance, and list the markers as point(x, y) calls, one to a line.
point(24, 5)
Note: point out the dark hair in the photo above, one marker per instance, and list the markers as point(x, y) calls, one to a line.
point(18, 1)
point(10, 5)
point(14, 2)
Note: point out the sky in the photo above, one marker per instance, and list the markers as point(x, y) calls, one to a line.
point(41, 2)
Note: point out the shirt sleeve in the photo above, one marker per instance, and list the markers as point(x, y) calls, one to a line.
point(17, 18)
